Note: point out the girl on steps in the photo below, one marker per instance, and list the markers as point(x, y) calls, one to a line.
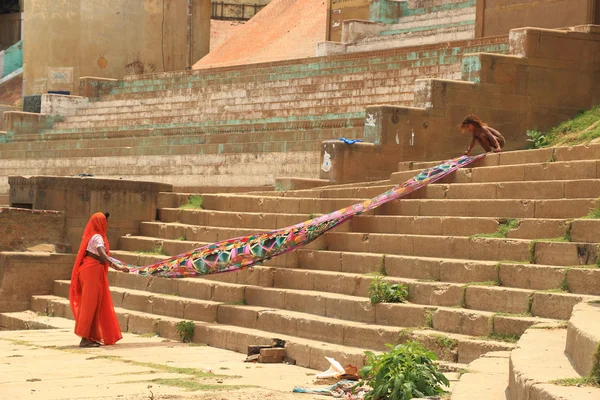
point(489, 138)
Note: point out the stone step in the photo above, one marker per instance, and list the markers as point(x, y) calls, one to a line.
point(87, 141)
point(509, 274)
point(540, 359)
point(440, 15)
point(583, 338)
point(487, 377)
point(461, 30)
point(307, 353)
point(352, 289)
point(171, 150)
point(473, 248)
point(558, 189)
point(558, 170)
point(26, 320)
point(514, 208)
point(278, 70)
point(265, 318)
point(4, 199)
point(528, 228)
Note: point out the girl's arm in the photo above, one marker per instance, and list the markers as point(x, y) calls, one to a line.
point(470, 147)
point(107, 260)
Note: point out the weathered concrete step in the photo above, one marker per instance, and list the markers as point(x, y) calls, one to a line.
point(546, 252)
point(510, 274)
point(570, 189)
point(486, 378)
point(557, 170)
point(246, 102)
point(264, 318)
point(25, 320)
point(230, 219)
point(543, 156)
point(43, 144)
point(4, 199)
point(540, 359)
point(557, 208)
point(172, 150)
point(583, 337)
point(307, 353)
point(279, 69)
point(299, 110)
point(528, 228)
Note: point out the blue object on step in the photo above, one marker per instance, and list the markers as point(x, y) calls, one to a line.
point(350, 141)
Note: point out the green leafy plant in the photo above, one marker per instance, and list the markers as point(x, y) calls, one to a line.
point(194, 202)
point(407, 371)
point(186, 331)
point(381, 291)
point(537, 139)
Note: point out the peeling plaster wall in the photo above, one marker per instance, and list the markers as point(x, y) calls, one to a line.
point(68, 39)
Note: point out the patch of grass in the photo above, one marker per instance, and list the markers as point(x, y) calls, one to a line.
point(514, 262)
point(429, 319)
point(499, 337)
point(504, 227)
point(382, 270)
point(190, 385)
point(193, 372)
point(582, 129)
point(583, 381)
point(149, 335)
point(445, 342)
point(181, 239)
point(313, 215)
point(530, 304)
point(381, 291)
point(194, 203)
point(593, 214)
point(239, 303)
point(186, 330)
point(463, 371)
point(550, 327)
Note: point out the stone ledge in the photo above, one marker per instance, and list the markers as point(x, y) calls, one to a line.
point(583, 337)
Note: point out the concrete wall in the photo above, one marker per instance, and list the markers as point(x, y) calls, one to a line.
point(10, 29)
point(498, 17)
point(68, 39)
point(342, 10)
point(128, 202)
point(23, 275)
point(22, 229)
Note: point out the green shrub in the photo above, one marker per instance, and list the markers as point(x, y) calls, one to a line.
point(186, 331)
point(408, 371)
point(381, 291)
point(537, 139)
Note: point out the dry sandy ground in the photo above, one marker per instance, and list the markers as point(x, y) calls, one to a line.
point(47, 364)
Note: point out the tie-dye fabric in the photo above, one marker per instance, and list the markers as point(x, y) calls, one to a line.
point(246, 251)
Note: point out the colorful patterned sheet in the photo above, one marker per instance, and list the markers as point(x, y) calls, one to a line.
point(246, 251)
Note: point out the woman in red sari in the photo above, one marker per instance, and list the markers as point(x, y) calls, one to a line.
point(95, 319)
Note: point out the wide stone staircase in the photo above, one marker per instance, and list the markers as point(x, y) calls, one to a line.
point(496, 258)
point(233, 126)
point(420, 23)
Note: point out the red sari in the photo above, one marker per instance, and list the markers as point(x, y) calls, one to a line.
point(89, 294)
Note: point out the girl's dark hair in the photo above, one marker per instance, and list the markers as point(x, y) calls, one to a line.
point(107, 214)
point(474, 120)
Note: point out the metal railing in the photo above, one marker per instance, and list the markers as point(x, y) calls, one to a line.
point(234, 12)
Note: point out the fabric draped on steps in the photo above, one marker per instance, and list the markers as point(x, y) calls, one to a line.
point(233, 254)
